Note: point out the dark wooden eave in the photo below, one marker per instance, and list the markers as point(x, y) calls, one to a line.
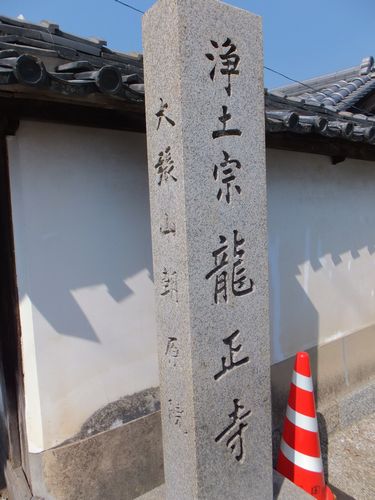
point(338, 149)
point(14, 109)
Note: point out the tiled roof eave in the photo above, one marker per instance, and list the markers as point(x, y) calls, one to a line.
point(310, 118)
point(34, 55)
point(30, 71)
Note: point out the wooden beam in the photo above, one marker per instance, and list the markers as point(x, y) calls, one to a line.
point(66, 112)
point(9, 321)
point(316, 144)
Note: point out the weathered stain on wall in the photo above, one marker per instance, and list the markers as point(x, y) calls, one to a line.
point(117, 413)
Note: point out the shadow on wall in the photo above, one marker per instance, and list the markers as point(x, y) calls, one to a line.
point(81, 218)
point(322, 242)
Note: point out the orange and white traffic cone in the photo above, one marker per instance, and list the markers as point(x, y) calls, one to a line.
point(299, 457)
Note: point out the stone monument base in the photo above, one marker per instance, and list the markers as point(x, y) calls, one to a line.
point(283, 489)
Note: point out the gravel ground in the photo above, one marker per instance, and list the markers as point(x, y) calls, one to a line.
point(351, 461)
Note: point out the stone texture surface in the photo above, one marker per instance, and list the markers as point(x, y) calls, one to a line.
point(283, 489)
point(351, 461)
point(156, 494)
point(357, 405)
point(122, 463)
point(207, 451)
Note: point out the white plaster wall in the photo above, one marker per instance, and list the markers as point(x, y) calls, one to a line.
point(84, 272)
point(322, 249)
point(83, 255)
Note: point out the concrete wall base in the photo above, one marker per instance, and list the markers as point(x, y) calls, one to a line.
point(120, 463)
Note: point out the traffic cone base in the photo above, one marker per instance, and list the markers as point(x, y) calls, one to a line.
point(302, 476)
point(300, 458)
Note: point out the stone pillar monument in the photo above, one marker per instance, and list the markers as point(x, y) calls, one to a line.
point(206, 155)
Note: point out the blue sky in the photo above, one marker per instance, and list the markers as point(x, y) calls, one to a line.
point(301, 38)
